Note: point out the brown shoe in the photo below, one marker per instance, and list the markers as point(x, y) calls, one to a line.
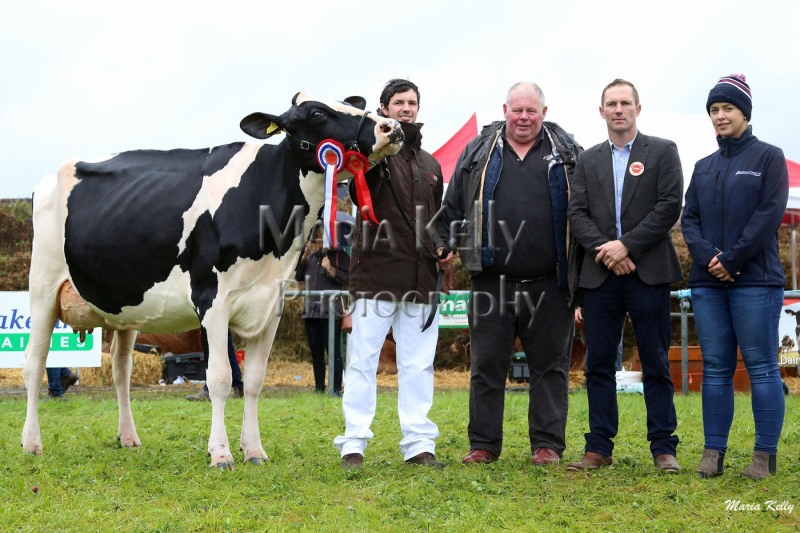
point(68, 381)
point(479, 456)
point(201, 396)
point(667, 463)
point(425, 459)
point(590, 461)
point(544, 457)
point(352, 461)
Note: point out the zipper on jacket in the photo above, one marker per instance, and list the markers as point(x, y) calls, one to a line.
point(722, 206)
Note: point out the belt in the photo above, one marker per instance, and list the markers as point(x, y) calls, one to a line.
point(530, 280)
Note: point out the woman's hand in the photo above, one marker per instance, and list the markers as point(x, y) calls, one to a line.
point(716, 269)
point(327, 267)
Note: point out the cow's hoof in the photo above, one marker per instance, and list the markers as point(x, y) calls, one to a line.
point(129, 442)
point(33, 449)
point(256, 457)
point(221, 461)
point(223, 465)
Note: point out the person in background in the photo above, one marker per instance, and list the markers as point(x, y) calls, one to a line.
point(323, 269)
point(734, 206)
point(626, 196)
point(512, 180)
point(393, 279)
point(236, 375)
point(59, 380)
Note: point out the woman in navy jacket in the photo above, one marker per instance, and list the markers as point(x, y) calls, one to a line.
point(733, 209)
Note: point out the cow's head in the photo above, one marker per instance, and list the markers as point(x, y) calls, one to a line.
point(310, 121)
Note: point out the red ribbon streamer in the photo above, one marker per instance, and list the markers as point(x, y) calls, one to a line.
point(356, 164)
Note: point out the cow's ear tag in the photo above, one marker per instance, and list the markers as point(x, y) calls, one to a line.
point(272, 129)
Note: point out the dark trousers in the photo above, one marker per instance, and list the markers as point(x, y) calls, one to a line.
point(236, 372)
point(604, 310)
point(317, 336)
point(498, 313)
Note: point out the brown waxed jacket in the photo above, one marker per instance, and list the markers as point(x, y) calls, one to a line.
point(389, 261)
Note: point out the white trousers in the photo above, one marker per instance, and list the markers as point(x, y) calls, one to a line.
point(415, 352)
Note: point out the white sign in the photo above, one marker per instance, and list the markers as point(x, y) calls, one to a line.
point(789, 334)
point(66, 350)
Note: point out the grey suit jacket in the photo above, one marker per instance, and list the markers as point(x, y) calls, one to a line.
point(651, 204)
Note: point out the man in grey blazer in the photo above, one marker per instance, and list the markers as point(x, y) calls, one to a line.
point(626, 196)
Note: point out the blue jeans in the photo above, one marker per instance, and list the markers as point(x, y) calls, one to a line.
point(54, 376)
point(747, 317)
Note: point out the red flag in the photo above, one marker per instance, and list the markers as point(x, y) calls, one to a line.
point(794, 173)
point(793, 207)
point(448, 154)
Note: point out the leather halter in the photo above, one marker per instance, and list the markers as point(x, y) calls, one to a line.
point(311, 147)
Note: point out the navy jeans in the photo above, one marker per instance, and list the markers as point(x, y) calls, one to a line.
point(604, 313)
point(747, 317)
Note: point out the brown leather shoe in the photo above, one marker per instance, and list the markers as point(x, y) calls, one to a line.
point(667, 463)
point(544, 457)
point(590, 461)
point(68, 381)
point(479, 456)
point(425, 459)
point(352, 461)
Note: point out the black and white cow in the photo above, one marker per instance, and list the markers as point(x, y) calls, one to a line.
point(166, 241)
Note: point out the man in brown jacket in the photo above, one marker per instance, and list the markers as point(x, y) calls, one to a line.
point(393, 278)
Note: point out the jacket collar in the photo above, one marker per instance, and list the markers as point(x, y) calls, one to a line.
point(730, 147)
point(413, 135)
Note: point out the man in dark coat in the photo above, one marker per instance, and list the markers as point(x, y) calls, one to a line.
point(626, 196)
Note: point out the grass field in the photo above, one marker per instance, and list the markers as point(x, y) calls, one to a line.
point(86, 483)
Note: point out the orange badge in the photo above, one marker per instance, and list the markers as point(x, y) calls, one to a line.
point(636, 168)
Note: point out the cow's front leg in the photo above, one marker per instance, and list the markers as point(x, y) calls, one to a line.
point(121, 365)
point(218, 380)
point(255, 368)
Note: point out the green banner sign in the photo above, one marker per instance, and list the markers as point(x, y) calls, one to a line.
point(453, 309)
point(16, 342)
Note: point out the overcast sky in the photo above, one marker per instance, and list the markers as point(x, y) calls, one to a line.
point(84, 78)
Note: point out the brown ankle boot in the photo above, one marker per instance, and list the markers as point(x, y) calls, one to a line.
point(711, 464)
point(762, 465)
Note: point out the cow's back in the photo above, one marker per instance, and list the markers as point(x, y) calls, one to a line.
point(125, 219)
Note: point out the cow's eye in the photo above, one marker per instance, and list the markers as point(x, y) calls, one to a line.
point(317, 115)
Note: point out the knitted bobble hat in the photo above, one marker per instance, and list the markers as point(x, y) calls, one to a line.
point(734, 90)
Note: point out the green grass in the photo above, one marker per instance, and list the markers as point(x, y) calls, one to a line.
point(87, 483)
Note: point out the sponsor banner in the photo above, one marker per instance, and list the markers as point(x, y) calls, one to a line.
point(453, 309)
point(789, 333)
point(66, 350)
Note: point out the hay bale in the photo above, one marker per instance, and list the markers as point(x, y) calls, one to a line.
point(147, 370)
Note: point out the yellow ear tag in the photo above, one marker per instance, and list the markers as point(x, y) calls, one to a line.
point(272, 128)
